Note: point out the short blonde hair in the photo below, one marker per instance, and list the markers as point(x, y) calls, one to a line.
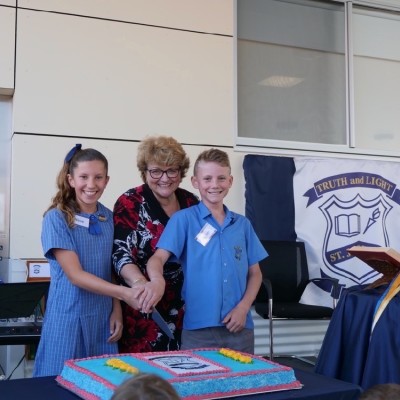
point(162, 150)
point(213, 155)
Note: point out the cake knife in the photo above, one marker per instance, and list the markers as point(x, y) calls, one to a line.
point(160, 321)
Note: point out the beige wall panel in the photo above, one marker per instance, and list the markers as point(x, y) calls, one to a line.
point(7, 48)
point(12, 3)
point(214, 16)
point(96, 78)
point(36, 161)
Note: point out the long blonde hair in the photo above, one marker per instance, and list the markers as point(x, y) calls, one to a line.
point(65, 198)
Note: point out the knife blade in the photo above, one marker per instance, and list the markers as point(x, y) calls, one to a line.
point(160, 321)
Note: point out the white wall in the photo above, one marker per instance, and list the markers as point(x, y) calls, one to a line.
point(137, 68)
point(205, 16)
point(109, 79)
point(7, 45)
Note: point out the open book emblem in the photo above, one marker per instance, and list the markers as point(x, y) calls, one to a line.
point(355, 222)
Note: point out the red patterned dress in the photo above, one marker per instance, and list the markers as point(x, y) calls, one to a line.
point(139, 221)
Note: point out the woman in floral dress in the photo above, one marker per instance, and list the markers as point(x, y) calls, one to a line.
point(140, 215)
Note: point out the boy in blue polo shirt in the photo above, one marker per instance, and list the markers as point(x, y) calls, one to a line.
point(219, 252)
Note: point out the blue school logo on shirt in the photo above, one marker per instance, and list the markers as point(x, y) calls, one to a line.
point(238, 252)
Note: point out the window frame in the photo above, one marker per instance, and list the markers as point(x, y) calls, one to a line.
point(293, 148)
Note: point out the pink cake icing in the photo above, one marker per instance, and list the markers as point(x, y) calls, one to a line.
point(196, 374)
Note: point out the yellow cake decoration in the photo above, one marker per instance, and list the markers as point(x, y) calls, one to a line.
point(235, 355)
point(116, 363)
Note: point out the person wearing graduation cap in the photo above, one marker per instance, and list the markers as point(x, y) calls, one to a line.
point(83, 316)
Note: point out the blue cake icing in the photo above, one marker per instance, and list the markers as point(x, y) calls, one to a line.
point(196, 374)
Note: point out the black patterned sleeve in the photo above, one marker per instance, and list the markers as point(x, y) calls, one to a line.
point(126, 218)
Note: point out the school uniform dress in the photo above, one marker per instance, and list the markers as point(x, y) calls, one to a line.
point(76, 322)
point(139, 221)
point(215, 260)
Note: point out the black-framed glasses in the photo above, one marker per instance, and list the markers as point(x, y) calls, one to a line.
point(157, 173)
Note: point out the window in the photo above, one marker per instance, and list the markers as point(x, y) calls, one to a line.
point(376, 36)
point(306, 82)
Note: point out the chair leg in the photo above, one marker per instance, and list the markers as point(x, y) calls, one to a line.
point(271, 331)
point(305, 360)
point(294, 357)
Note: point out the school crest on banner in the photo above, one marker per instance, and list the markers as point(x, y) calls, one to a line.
point(357, 205)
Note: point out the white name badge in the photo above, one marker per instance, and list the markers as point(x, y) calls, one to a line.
point(206, 233)
point(81, 221)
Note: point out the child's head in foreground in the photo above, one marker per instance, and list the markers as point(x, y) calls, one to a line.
point(384, 391)
point(145, 387)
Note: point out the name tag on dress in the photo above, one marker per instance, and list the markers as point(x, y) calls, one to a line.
point(82, 221)
point(206, 233)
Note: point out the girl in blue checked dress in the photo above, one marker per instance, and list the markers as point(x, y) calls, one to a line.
point(83, 315)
